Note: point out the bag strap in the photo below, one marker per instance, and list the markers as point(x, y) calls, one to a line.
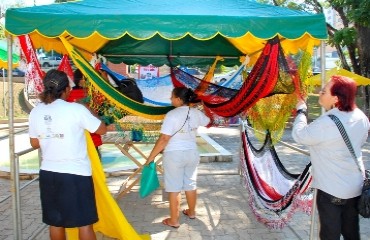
point(345, 138)
point(187, 117)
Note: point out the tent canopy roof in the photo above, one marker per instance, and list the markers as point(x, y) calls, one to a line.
point(99, 21)
point(172, 19)
point(360, 80)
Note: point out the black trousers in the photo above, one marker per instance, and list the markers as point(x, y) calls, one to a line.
point(336, 220)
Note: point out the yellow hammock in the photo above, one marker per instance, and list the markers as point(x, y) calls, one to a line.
point(112, 222)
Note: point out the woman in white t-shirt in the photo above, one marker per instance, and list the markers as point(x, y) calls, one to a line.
point(66, 186)
point(180, 153)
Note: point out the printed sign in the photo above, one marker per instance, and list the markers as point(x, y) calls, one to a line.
point(148, 72)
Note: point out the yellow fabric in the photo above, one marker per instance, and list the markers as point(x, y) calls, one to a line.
point(255, 45)
point(272, 113)
point(87, 46)
point(305, 64)
point(360, 80)
point(209, 76)
point(94, 42)
point(5, 65)
point(112, 222)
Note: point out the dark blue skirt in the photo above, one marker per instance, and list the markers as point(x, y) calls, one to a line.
point(67, 200)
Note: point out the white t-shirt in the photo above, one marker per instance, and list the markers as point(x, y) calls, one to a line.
point(333, 168)
point(183, 135)
point(59, 127)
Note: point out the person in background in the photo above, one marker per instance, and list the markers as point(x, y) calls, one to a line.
point(180, 153)
point(335, 174)
point(65, 178)
point(78, 94)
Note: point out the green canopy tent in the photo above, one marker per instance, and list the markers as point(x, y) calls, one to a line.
point(146, 31)
point(143, 32)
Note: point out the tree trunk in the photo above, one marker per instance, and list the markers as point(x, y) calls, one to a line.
point(364, 58)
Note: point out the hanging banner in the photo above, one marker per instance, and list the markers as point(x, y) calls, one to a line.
point(148, 72)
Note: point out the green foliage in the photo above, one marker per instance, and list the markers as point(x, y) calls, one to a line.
point(286, 3)
point(357, 11)
point(360, 14)
point(344, 37)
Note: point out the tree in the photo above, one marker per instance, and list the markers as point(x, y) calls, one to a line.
point(352, 40)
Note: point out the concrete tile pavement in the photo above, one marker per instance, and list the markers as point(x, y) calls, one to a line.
point(222, 212)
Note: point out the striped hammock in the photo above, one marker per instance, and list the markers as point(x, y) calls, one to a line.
point(115, 104)
point(274, 193)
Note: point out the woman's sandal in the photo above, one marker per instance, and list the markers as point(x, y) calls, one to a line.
point(166, 222)
point(186, 212)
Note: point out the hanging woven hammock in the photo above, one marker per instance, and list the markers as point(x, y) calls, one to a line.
point(274, 193)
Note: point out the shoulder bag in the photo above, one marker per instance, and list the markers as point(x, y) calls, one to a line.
point(364, 202)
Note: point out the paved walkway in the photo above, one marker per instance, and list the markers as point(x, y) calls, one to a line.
point(223, 212)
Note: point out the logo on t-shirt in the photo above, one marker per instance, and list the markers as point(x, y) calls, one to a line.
point(47, 119)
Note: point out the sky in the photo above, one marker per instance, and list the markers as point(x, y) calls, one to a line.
point(38, 2)
point(25, 3)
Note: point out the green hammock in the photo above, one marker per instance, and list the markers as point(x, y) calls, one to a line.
point(120, 105)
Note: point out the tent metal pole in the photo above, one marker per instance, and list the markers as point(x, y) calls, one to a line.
point(313, 216)
point(323, 67)
point(4, 96)
point(14, 164)
point(313, 212)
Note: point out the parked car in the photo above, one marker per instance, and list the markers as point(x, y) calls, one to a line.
point(16, 72)
point(48, 62)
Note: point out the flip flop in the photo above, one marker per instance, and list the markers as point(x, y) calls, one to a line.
point(166, 222)
point(185, 212)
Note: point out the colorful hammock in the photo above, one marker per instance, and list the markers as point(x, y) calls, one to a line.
point(116, 104)
point(260, 83)
point(66, 67)
point(149, 87)
point(274, 193)
point(34, 74)
point(270, 75)
point(156, 91)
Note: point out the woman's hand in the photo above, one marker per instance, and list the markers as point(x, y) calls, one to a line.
point(301, 104)
point(148, 162)
point(111, 127)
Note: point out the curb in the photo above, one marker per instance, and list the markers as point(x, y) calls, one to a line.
point(17, 120)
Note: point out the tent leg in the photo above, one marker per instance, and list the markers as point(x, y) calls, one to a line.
point(323, 67)
point(14, 164)
point(323, 75)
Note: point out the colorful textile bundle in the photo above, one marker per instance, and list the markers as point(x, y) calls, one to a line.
point(112, 222)
point(106, 98)
point(270, 75)
point(34, 74)
point(274, 193)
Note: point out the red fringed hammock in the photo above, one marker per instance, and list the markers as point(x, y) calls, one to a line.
point(270, 68)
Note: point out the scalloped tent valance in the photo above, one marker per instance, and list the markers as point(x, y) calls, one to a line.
point(146, 31)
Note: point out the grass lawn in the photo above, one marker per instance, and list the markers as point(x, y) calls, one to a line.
point(20, 108)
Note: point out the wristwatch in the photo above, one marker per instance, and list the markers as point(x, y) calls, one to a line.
point(303, 110)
